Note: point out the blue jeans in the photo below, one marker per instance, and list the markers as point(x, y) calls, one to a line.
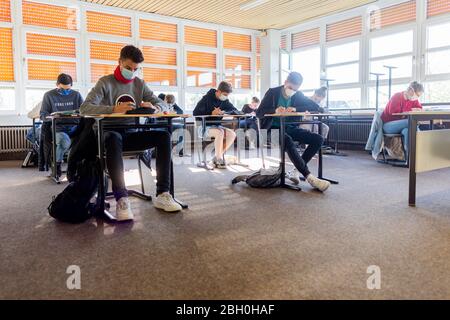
point(62, 145)
point(398, 126)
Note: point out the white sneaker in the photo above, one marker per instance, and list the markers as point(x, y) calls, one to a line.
point(321, 185)
point(294, 176)
point(166, 202)
point(123, 210)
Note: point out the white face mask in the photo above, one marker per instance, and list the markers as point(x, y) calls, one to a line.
point(223, 97)
point(289, 92)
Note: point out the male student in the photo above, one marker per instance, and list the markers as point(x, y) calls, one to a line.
point(215, 102)
point(106, 98)
point(169, 99)
point(318, 96)
point(287, 98)
point(250, 123)
point(62, 98)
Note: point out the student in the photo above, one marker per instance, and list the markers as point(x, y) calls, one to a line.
point(250, 123)
point(318, 96)
point(215, 102)
point(401, 102)
point(169, 99)
point(63, 98)
point(287, 98)
point(104, 99)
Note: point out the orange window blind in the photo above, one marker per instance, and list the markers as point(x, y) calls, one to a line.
point(161, 77)
point(258, 45)
point(160, 31)
point(201, 60)
point(201, 79)
point(283, 42)
point(159, 55)
point(49, 70)
point(47, 15)
point(237, 63)
point(344, 29)
point(236, 41)
point(239, 81)
point(305, 38)
point(51, 45)
point(100, 70)
point(258, 63)
point(104, 50)
point(5, 10)
point(200, 36)
point(437, 7)
point(400, 13)
point(6, 55)
point(108, 24)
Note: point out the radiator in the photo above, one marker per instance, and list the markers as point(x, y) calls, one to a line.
point(350, 131)
point(13, 139)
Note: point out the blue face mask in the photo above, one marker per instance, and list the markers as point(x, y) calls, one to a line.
point(64, 92)
point(128, 74)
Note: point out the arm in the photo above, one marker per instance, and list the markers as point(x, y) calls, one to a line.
point(302, 104)
point(177, 109)
point(92, 103)
point(229, 108)
point(267, 105)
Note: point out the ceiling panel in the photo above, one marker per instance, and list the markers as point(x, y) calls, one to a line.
point(273, 14)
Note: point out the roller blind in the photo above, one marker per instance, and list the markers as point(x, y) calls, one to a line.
point(236, 41)
point(162, 77)
point(6, 55)
point(49, 45)
point(237, 63)
point(201, 60)
point(105, 50)
point(400, 13)
point(283, 42)
point(305, 38)
point(99, 70)
point(200, 36)
point(158, 55)
point(5, 11)
point(49, 70)
point(239, 81)
point(47, 15)
point(258, 45)
point(108, 24)
point(160, 31)
point(344, 29)
point(201, 79)
point(437, 7)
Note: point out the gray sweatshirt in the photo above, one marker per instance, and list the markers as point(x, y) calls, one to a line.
point(53, 101)
point(108, 91)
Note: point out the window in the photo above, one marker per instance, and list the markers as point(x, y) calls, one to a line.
point(307, 62)
point(160, 66)
point(238, 100)
point(345, 98)
point(191, 100)
point(158, 31)
point(393, 15)
point(201, 69)
point(383, 94)
point(437, 7)
point(437, 91)
point(285, 66)
point(5, 11)
point(109, 24)
point(103, 56)
point(438, 49)
point(238, 71)
point(33, 96)
point(6, 55)
point(343, 63)
point(7, 99)
point(51, 16)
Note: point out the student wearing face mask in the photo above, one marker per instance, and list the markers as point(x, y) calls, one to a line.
point(63, 98)
point(250, 123)
point(106, 98)
point(318, 97)
point(288, 98)
point(215, 102)
point(169, 99)
point(401, 102)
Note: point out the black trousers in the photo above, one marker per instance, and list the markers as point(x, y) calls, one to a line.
point(118, 141)
point(313, 140)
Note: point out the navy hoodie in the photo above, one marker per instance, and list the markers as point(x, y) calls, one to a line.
point(207, 104)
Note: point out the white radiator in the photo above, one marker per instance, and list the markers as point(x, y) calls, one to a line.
point(13, 139)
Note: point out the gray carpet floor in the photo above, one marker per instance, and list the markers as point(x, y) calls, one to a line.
point(235, 242)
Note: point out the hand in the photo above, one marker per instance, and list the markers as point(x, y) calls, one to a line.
point(217, 112)
point(280, 110)
point(123, 107)
point(148, 105)
point(291, 109)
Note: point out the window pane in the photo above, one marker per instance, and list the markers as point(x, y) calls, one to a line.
point(403, 64)
point(33, 97)
point(307, 62)
point(239, 81)
point(7, 99)
point(438, 62)
point(160, 77)
point(391, 44)
point(191, 100)
point(437, 91)
point(438, 36)
point(201, 79)
point(345, 99)
point(238, 100)
point(383, 97)
point(343, 53)
point(344, 74)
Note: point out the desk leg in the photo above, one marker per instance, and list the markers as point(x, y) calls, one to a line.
point(54, 171)
point(320, 164)
point(239, 145)
point(283, 183)
point(412, 131)
point(172, 180)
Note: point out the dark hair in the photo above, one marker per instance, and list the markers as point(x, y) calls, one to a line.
point(295, 78)
point(416, 86)
point(64, 79)
point(133, 53)
point(225, 87)
point(255, 99)
point(321, 92)
point(170, 98)
point(162, 96)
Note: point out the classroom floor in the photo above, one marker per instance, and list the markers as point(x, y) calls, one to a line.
point(236, 242)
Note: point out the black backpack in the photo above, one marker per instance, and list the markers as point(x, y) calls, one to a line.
point(261, 179)
point(73, 204)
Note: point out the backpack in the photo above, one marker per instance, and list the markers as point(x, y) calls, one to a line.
point(73, 205)
point(263, 178)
